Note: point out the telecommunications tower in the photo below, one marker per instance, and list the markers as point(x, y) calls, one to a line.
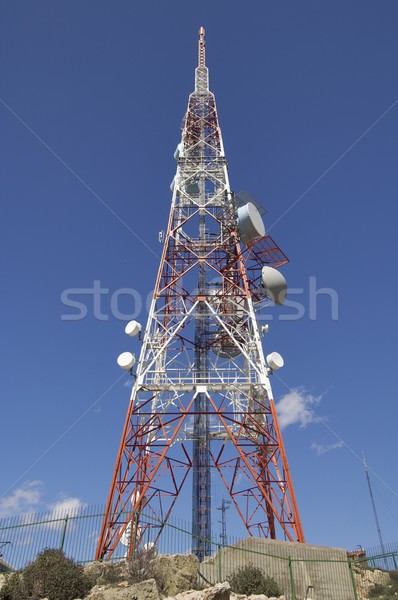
point(201, 411)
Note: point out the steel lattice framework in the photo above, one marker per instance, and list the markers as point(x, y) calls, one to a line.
point(202, 399)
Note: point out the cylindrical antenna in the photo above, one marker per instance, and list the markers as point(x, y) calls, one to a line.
point(201, 50)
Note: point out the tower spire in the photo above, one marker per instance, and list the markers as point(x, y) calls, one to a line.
point(201, 71)
point(202, 48)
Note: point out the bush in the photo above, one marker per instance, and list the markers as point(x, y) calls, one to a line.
point(51, 575)
point(251, 580)
point(12, 588)
point(394, 577)
point(142, 565)
point(376, 591)
point(385, 592)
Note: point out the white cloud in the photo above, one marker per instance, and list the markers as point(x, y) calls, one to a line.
point(28, 499)
point(297, 407)
point(323, 448)
point(22, 500)
point(68, 507)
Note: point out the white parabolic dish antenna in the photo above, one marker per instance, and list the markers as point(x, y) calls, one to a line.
point(250, 223)
point(275, 285)
point(132, 328)
point(275, 361)
point(126, 361)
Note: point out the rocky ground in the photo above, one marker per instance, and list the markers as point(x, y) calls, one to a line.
point(367, 580)
point(147, 590)
point(174, 578)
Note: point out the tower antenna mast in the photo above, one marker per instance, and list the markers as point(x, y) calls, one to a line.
point(202, 48)
point(225, 504)
point(201, 409)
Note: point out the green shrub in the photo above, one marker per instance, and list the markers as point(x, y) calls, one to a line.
point(51, 575)
point(376, 591)
point(388, 591)
point(12, 588)
point(142, 565)
point(394, 576)
point(251, 580)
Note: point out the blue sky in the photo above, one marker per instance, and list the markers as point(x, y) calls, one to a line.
point(92, 97)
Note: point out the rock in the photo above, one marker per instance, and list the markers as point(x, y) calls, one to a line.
point(221, 591)
point(191, 595)
point(174, 573)
point(366, 580)
point(93, 570)
point(377, 577)
point(2, 580)
point(103, 573)
point(258, 597)
point(146, 590)
point(178, 572)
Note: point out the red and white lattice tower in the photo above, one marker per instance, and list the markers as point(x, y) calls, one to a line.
point(201, 407)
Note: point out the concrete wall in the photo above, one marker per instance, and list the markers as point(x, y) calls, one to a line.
point(4, 566)
point(318, 572)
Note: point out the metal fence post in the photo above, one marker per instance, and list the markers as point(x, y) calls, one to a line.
point(292, 580)
point(354, 585)
point(61, 547)
point(219, 565)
